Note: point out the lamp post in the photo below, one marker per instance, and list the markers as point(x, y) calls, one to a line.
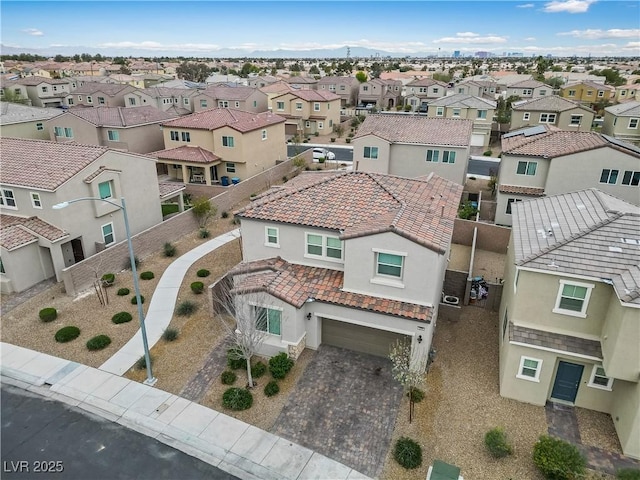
point(150, 378)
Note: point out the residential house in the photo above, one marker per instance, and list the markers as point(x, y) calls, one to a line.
point(259, 81)
point(38, 242)
point(14, 91)
point(308, 111)
point(478, 88)
point(542, 160)
point(340, 259)
point(553, 110)
point(216, 145)
point(587, 91)
point(45, 92)
point(569, 330)
point(413, 146)
point(131, 129)
point(345, 87)
point(628, 92)
point(177, 100)
point(420, 91)
point(476, 109)
point(248, 99)
point(275, 90)
point(622, 121)
point(529, 89)
point(380, 93)
point(23, 121)
point(302, 83)
point(94, 94)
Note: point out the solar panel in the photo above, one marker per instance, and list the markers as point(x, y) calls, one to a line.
point(620, 143)
point(527, 132)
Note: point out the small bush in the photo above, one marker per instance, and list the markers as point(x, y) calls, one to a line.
point(186, 308)
point(122, 292)
point(108, 279)
point(280, 365)
point(234, 361)
point(237, 399)
point(127, 262)
point(333, 139)
point(98, 342)
point(348, 140)
point(408, 453)
point(224, 214)
point(228, 377)
point(169, 250)
point(147, 275)
point(141, 364)
point(271, 388)
point(628, 474)
point(487, 153)
point(134, 300)
point(496, 442)
point(48, 314)
point(203, 233)
point(317, 134)
point(197, 287)
point(121, 317)
point(557, 459)
point(258, 370)
point(203, 272)
point(66, 334)
point(417, 395)
point(170, 334)
point(285, 179)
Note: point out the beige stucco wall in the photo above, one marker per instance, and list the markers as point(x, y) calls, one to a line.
point(27, 130)
point(83, 131)
point(378, 165)
point(407, 160)
point(563, 119)
point(625, 413)
point(25, 267)
point(621, 341)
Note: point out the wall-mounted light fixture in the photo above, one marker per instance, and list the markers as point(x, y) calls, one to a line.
point(419, 338)
point(309, 316)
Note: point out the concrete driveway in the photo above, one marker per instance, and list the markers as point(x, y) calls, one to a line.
point(344, 407)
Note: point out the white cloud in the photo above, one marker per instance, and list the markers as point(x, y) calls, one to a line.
point(470, 37)
point(595, 34)
point(530, 39)
point(632, 46)
point(526, 5)
point(569, 6)
point(33, 31)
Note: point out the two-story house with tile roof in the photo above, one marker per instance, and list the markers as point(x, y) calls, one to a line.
point(570, 307)
point(132, 129)
point(14, 90)
point(38, 242)
point(94, 94)
point(308, 111)
point(622, 121)
point(541, 161)
point(302, 83)
point(380, 93)
point(23, 121)
point(479, 110)
point(221, 144)
point(345, 87)
point(478, 88)
point(628, 92)
point(46, 92)
point(174, 100)
point(552, 110)
point(529, 89)
point(340, 259)
point(420, 91)
point(587, 91)
point(248, 99)
point(413, 146)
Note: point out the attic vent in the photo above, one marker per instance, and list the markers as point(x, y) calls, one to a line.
point(630, 241)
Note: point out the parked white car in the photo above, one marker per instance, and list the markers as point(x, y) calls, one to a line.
point(319, 153)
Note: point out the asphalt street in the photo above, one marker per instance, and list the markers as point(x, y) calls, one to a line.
point(45, 439)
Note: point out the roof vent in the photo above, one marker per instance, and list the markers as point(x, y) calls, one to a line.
point(630, 241)
point(615, 249)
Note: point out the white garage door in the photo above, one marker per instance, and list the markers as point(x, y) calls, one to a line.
point(477, 140)
point(358, 338)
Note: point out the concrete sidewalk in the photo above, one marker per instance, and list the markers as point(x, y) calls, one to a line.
point(162, 304)
point(213, 437)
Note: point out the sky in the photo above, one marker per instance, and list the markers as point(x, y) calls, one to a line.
point(208, 28)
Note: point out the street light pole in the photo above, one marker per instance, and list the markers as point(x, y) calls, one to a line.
point(132, 258)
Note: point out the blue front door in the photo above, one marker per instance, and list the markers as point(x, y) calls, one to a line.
point(567, 381)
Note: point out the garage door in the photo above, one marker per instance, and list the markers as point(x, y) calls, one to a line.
point(290, 128)
point(358, 338)
point(477, 140)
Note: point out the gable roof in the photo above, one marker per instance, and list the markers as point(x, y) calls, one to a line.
point(418, 129)
point(20, 231)
point(628, 109)
point(215, 118)
point(187, 153)
point(357, 204)
point(590, 84)
point(528, 84)
point(110, 89)
point(426, 82)
point(581, 233)
point(35, 80)
point(102, 116)
point(314, 95)
point(230, 93)
point(163, 92)
point(11, 113)
point(553, 103)
point(464, 101)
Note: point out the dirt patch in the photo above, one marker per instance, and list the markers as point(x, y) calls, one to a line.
point(597, 430)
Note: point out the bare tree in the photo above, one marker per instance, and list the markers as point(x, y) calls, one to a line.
point(408, 371)
point(99, 283)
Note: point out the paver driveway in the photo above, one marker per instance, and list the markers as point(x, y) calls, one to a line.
point(344, 407)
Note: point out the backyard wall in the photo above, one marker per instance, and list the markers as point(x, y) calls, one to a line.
point(455, 283)
point(490, 237)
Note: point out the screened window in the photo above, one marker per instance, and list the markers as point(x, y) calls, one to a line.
point(264, 134)
point(298, 105)
point(104, 189)
point(599, 378)
point(529, 369)
point(324, 246)
point(268, 320)
point(8, 199)
point(227, 142)
point(231, 167)
point(316, 107)
point(448, 157)
point(439, 111)
point(35, 200)
point(527, 168)
point(609, 176)
point(272, 237)
point(101, 100)
point(107, 234)
point(433, 156)
point(573, 298)
point(371, 152)
point(280, 105)
point(389, 264)
point(203, 103)
point(113, 135)
point(481, 114)
point(175, 135)
point(314, 244)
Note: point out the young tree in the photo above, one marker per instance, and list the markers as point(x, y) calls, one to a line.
point(203, 210)
point(407, 371)
point(361, 77)
point(195, 72)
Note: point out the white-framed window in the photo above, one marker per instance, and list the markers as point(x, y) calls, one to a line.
point(185, 136)
point(527, 168)
point(132, 101)
point(461, 90)
point(8, 199)
point(448, 156)
point(439, 111)
point(389, 264)
point(175, 135)
point(456, 112)
point(113, 135)
point(320, 125)
point(631, 178)
point(79, 98)
point(573, 298)
point(324, 246)
point(104, 189)
point(547, 118)
point(365, 88)
point(186, 101)
point(529, 369)
point(601, 93)
point(589, 93)
point(39, 126)
point(203, 103)
point(433, 156)
point(572, 93)
point(231, 167)
point(436, 90)
point(89, 99)
point(223, 104)
point(264, 134)
point(101, 101)
point(280, 106)
point(307, 124)
point(269, 319)
point(237, 104)
point(510, 204)
point(609, 176)
point(599, 378)
point(481, 114)
point(45, 89)
point(371, 152)
point(298, 105)
point(108, 237)
point(633, 123)
point(543, 93)
point(316, 107)
point(527, 91)
point(576, 120)
point(272, 237)
point(35, 200)
point(70, 101)
point(526, 116)
point(227, 141)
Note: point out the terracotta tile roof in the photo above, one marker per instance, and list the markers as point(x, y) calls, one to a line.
point(278, 87)
point(101, 169)
point(19, 231)
point(109, 89)
point(418, 129)
point(426, 82)
point(230, 93)
point(358, 204)
point(215, 118)
point(537, 192)
point(295, 284)
point(528, 84)
point(332, 79)
point(160, 92)
point(591, 84)
point(301, 80)
point(168, 189)
point(43, 164)
point(33, 81)
point(120, 116)
point(187, 153)
point(552, 103)
point(314, 96)
point(464, 101)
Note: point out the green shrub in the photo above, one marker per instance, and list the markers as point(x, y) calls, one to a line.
point(487, 153)
point(169, 250)
point(258, 370)
point(228, 377)
point(203, 233)
point(108, 279)
point(197, 287)
point(237, 399)
point(348, 140)
point(203, 272)
point(496, 442)
point(333, 139)
point(234, 361)
point(66, 334)
point(48, 314)
point(280, 365)
point(271, 388)
point(224, 214)
point(134, 300)
point(557, 459)
point(628, 474)
point(467, 210)
point(141, 364)
point(147, 275)
point(121, 317)
point(98, 342)
point(408, 453)
point(417, 395)
point(186, 308)
point(170, 334)
point(122, 292)
point(285, 179)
